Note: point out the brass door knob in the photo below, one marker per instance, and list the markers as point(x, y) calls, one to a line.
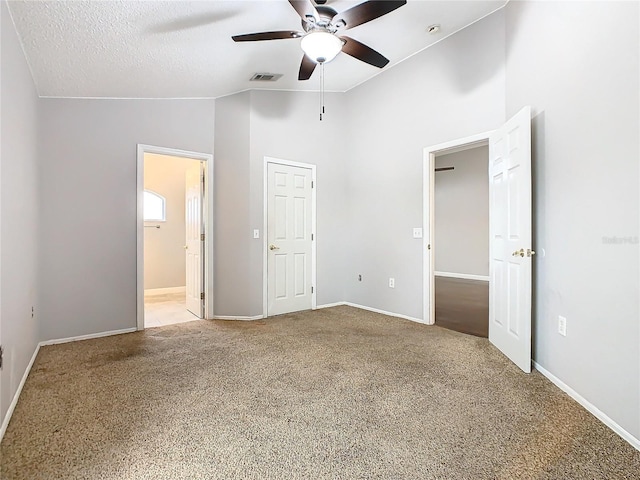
point(186, 247)
point(273, 247)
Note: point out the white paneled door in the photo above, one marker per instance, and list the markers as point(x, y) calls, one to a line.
point(510, 239)
point(289, 238)
point(194, 233)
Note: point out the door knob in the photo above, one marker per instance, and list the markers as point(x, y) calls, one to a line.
point(273, 247)
point(186, 247)
point(518, 252)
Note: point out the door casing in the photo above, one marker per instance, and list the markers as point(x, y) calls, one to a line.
point(428, 196)
point(208, 205)
point(265, 247)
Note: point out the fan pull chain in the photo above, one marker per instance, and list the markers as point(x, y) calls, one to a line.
point(321, 90)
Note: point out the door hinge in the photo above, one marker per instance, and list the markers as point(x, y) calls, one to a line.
point(1, 355)
point(312, 184)
point(202, 237)
point(311, 289)
point(312, 236)
point(429, 247)
point(202, 296)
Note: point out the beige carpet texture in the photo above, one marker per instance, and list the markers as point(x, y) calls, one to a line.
point(338, 393)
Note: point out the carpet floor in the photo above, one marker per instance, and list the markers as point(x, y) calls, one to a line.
point(337, 393)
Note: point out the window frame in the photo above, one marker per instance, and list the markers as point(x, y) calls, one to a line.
point(164, 206)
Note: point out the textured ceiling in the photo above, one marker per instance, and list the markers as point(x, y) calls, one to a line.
point(176, 49)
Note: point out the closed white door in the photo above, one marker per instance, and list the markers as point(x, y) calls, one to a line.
point(510, 239)
point(194, 251)
point(289, 238)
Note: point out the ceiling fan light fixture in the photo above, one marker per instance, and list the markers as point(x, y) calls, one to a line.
point(321, 46)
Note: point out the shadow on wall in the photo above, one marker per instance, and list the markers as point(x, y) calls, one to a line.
point(280, 105)
point(482, 63)
point(538, 162)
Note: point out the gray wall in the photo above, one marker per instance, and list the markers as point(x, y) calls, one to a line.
point(88, 203)
point(232, 228)
point(461, 224)
point(283, 125)
point(583, 87)
point(452, 90)
point(164, 254)
point(18, 212)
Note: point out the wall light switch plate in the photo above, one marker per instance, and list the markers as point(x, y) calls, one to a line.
point(417, 233)
point(256, 233)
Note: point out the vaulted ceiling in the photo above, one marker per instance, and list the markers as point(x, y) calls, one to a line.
point(183, 49)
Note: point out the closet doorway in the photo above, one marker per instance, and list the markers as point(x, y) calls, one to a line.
point(461, 240)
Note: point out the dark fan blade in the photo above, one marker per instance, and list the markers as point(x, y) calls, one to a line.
point(306, 68)
point(253, 37)
point(367, 11)
point(304, 8)
point(362, 52)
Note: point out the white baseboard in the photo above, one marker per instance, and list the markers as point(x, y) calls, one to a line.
point(232, 317)
point(149, 292)
point(14, 402)
point(599, 414)
point(329, 305)
point(88, 337)
point(383, 312)
point(466, 276)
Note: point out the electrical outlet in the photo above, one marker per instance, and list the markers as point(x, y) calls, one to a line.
point(562, 325)
point(33, 312)
point(417, 233)
point(392, 283)
point(256, 233)
point(359, 278)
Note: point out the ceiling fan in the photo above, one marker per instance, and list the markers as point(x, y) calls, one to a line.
point(322, 37)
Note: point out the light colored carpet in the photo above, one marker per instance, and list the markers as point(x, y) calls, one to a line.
point(337, 393)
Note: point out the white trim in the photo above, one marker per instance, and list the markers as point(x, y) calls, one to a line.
point(89, 336)
point(330, 305)
point(428, 215)
point(150, 292)
point(265, 226)
point(384, 312)
point(16, 396)
point(599, 414)
point(232, 317)
point(466, 276)
point(208, 220)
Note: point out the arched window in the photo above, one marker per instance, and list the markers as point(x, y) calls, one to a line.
point(154, 207)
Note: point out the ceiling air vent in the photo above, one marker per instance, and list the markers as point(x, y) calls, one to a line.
point(265, 77)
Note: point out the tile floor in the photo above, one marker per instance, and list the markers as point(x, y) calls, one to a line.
point(166, 309)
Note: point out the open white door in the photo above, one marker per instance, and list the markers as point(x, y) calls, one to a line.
point(194, 233)
point(289, 238)
point(510, 239)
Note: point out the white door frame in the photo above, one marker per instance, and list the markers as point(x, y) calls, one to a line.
point(428, 198)
point(208, 220)
point(265, 277)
